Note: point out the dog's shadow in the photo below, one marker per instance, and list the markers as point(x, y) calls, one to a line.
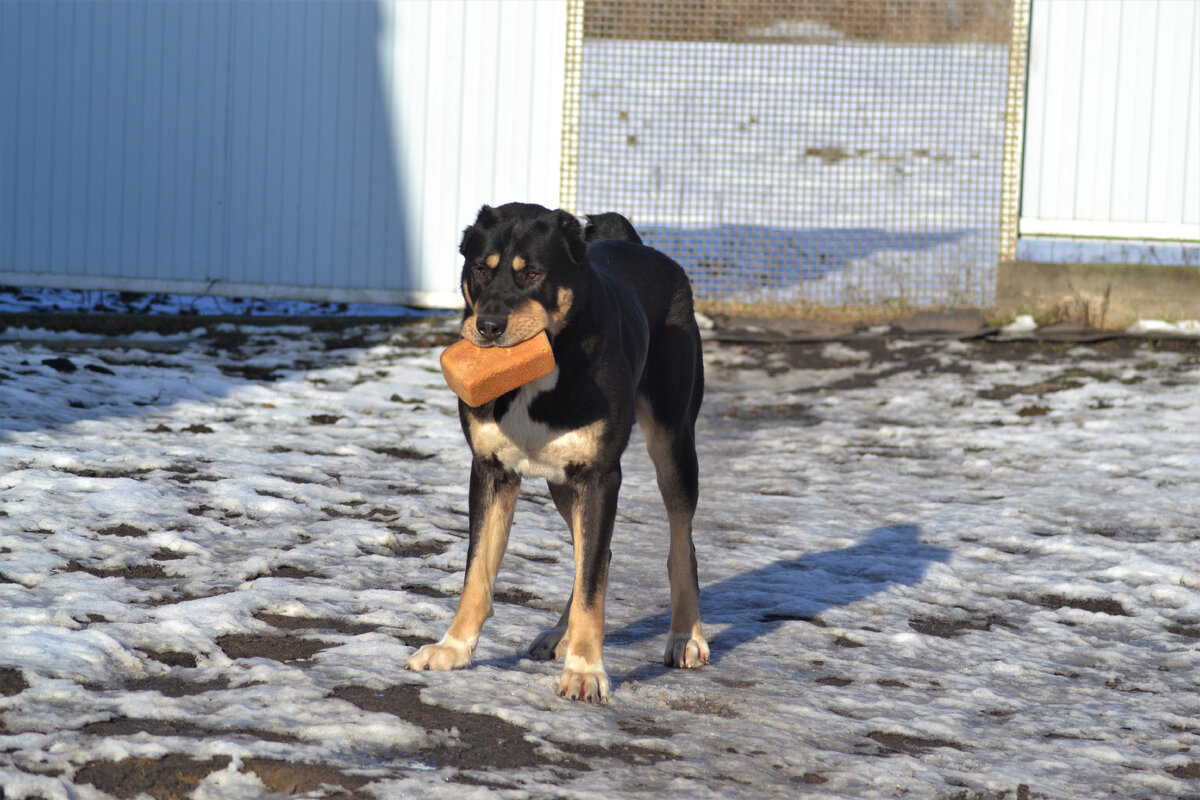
point(756, 603)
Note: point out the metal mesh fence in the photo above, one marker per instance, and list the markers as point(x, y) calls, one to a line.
point(828, 152)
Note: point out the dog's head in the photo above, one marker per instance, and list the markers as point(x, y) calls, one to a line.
point(523, 269)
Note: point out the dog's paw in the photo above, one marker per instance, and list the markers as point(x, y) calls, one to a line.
point(549, 644)
point(447, 654)
point(581, 681)
point(686, 650)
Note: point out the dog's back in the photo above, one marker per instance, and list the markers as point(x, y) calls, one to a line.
point(610, 225)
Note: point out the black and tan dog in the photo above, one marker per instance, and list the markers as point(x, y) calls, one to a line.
point(620, 320)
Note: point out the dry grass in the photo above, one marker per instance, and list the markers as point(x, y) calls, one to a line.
point(858, 315)
point(1079, 308)
point(901, 21)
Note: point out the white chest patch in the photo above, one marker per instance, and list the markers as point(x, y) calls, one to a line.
point(531, 448)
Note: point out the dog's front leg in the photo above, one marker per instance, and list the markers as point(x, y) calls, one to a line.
point(593, 504)
point(493, 497)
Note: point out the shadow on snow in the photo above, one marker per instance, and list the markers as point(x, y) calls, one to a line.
point(756, 603)
point(739, 257)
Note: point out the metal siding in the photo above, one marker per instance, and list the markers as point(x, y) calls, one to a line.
point(1134, 119)
point(369, 141)
point(483, 128)
point(9, 61)
point(444, 125)
point(1111, 132)
point(1191, 137)
point(182, 167)
point(296, 149)
point(1179, 25)
point(241, 208)
point(1094, 186)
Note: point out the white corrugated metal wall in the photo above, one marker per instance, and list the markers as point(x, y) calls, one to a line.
point(1112, 135)
point(314, 150)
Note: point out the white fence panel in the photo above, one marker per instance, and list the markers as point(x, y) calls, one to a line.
point(314, 150)
point(1113, 120)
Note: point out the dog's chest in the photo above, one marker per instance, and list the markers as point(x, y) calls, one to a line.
point(532, 448)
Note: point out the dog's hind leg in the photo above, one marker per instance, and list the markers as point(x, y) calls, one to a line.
point(493, 498)
point(551, 643)
point(674, 456)
point(667, 410)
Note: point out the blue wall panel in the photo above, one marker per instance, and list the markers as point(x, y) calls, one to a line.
point(289, 149)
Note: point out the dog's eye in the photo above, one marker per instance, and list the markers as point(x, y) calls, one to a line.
point(531, 274)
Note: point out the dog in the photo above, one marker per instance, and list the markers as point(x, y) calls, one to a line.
point(620, 319)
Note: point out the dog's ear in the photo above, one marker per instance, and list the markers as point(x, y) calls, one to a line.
point(485, 218)
point(572, 233)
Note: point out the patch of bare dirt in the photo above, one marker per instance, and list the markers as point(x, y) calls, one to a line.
point(124, 529)
point(174, 686)
point(289, 571)
point(132, 726)
point(12, 682)
point(172, 658)
point(483, 742)
point(1096, 605)
point(945, 628)
point(172, 777)
point(327, 624)
point(298, 778)
point(897, 743)
point(131, 572)
point(286, 649)
point(176, 776)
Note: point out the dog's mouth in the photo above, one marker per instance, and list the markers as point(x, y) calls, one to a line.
point(506, 330)
point(517, 325)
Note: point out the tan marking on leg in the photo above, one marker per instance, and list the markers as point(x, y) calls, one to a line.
point(686, 645)
point(475, 605)
point(584, 677)
point(586, 625)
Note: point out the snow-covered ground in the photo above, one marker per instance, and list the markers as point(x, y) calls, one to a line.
point(18, 300)
point(930, 569)
point(833, 173)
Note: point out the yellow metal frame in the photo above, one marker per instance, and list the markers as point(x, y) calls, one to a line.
point(568, 185)
point(1014, 130)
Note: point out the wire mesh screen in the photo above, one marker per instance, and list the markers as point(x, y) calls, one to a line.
point(828, 152)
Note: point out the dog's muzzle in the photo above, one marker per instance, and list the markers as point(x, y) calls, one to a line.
point(491, 327)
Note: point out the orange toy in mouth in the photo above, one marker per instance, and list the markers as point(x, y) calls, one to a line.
point(479, 375)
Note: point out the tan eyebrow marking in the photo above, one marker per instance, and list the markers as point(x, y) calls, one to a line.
point(493, 260)
point(518, 264)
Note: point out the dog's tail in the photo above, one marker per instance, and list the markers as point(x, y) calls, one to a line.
point(610, 225)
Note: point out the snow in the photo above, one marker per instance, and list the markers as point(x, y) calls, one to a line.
point(24, 300)
point(957, 574)
point(833, 173)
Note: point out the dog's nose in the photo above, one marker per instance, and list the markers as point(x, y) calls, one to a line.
point(490, 328)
